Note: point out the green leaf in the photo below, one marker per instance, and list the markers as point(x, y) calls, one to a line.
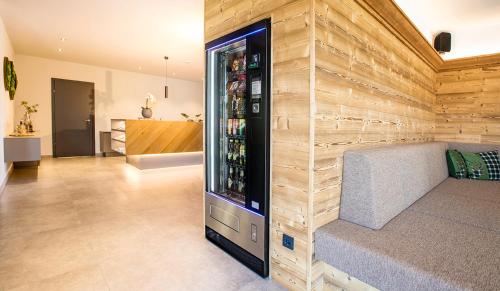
point(10, 77)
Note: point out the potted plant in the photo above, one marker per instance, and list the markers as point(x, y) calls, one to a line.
point(28, 110)
point(147, 112)
point(192, 119)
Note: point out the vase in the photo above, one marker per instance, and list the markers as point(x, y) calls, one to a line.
point(27, 122)
point(146, 112)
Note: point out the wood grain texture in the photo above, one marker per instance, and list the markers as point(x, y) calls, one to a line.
point(335, 279)
point(156, 137)
point(346, 74)
point(371, 88)
point(291, 32)
point(468, 105)
point(471, 62)
point(396, 22)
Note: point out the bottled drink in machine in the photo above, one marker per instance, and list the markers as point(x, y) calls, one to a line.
point(242, 154)
point(241, 127)
point(235, 126)
point(236, 153)
point(229, 126)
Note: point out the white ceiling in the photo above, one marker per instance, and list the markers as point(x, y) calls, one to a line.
point(131, 35)
point(474, 24)
point(134, 35)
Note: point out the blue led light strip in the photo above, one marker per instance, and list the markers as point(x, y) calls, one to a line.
point(236, 39)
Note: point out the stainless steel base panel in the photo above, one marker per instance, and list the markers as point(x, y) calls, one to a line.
point(237, 224)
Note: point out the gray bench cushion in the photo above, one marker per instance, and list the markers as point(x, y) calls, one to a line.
point(464, 201)
point(378, 183)
point(424, 248)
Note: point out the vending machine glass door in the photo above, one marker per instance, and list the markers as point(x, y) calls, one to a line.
point(226, 121)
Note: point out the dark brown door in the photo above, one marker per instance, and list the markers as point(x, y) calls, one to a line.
point(72, 118)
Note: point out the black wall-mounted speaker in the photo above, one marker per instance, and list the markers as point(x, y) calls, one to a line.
point(442, 42)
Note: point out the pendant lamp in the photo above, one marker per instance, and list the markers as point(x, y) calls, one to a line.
point(166, 77)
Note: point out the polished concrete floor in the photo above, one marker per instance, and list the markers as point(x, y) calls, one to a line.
point(100, 224)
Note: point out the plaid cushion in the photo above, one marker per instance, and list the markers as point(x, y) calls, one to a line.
point(462, 173)
point(475, 174)
point(492, 163)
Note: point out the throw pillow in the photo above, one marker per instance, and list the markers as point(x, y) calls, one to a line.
point(476, 167)
point(456, 164)
point(492, 163)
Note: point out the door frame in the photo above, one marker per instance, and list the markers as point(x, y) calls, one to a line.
point(53, 107)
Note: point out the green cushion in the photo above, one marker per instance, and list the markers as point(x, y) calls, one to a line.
point(456, 164)
point(476, 167)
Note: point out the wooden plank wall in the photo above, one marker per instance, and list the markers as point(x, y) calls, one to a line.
point(468, 105)
point(341, 80)
point(291, 156)
point(344, 78)
point(370, 89)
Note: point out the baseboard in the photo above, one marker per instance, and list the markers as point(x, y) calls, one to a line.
point(6, 179)
point(108, 154)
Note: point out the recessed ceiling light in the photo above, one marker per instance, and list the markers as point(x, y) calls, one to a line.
point(59, 49)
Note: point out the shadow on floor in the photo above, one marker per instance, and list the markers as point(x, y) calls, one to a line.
point(23, 175)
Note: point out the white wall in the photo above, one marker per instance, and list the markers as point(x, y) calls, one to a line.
point(118, 94)
point(6, 106)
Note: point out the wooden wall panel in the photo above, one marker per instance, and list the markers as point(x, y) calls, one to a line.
point(468, 104)
point(290, 123)
point(481, 61)
point(290, 139)
point(348, 74)
point(370, 88)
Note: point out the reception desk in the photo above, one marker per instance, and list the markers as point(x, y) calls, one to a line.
point(157, 143)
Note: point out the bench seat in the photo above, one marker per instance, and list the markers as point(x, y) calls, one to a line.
point(447, 240)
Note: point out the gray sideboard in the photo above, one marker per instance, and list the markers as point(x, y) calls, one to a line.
point(21, 149)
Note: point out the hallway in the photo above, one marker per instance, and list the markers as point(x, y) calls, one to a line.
point(100, 224)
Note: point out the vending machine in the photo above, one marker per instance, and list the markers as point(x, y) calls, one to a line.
point(237, 144)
